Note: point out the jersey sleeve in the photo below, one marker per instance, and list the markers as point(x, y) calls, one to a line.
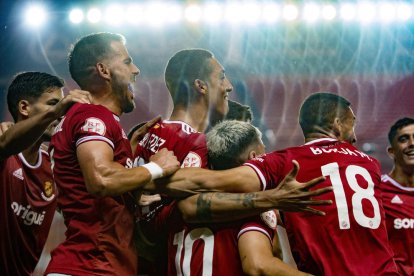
point(265, 223)
point(93, 123)
point(198, 154)
point(269, 168)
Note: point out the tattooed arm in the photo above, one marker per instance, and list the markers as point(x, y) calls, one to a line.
point(289, 196)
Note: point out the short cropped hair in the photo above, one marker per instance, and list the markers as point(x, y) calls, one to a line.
point(239, 112)
point(403, 122)
point(29, 86)
point(320, 110)
point(183, 69)
point(227, 140)
point(87, 52)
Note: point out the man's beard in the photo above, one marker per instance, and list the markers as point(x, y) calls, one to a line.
point(126, 104)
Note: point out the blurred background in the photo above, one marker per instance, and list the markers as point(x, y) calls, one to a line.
point(275, 53)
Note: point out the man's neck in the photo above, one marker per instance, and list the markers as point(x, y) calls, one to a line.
point(403, 176)
point(31, 154)
point(103, 95)
point(197, 118)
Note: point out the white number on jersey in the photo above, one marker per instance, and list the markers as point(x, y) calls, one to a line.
point(332, 170)
point(185, 242)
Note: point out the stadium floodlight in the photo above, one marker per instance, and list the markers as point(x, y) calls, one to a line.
point(114, 14)
point(366, 12)
point(328, 12)
point(271, 12)
point(234, 12)
point(290, 12)
point(251, 12)
point(174, 13)
point(76, 16)
point(94, 15)
point(311, 12)
point(404, 11)
point(135, 14)
point(156, 14)
point(386, 12)
point(212, 13)
point(35, 15)
point(348, 12)
point(193, 13)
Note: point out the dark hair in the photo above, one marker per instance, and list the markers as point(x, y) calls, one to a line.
point(228, 140)
point(403, 122)
point(239, 112)
point(320, 110)
point(133, 129)
point(87, 52)
point(29, 86)
point(183, 69)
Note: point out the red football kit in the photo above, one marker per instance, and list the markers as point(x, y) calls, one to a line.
point(352, 238)
point(398, 201)
point(99, 229)
point(28, 203)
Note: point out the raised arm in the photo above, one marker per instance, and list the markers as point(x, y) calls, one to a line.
point(26, 132)
point(290, 195)
point(103, 176)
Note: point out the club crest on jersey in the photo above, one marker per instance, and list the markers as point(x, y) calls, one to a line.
point(48, 191)
point(94, 125)
point(191, 160)
point(269, 218)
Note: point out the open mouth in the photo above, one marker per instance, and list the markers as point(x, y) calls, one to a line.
point(131, 90)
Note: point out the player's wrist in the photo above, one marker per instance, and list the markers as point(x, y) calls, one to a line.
point(154, 169)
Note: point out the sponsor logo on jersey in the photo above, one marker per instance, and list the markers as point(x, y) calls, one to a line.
point(396, 200)
point(191, 160)
point(405, 223)
point(157, 125)
point(48, 191)
point(18, 173)
point(269, 218)
point(94, 125)
point(28, 216)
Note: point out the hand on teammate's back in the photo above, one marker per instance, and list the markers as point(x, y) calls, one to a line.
point(74, 96)
point(4, 126)
point(294, 196)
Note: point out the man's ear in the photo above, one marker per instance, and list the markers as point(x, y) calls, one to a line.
point(24, 108)
point(337, 127)
point(201, 86)
point(252, 154)
point(103, 71)
point(390, 152)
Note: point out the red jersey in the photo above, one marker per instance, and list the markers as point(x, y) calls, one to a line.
point(398, 203)
point(199, 249)
point(28, 203)
point(352, 238)
point(99, 229)
point(188, 145)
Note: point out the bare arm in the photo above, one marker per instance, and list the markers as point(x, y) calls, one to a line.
point(103, 176)
point(290, 195)
point(238, 180)
point(256, 256)
point(26, 132)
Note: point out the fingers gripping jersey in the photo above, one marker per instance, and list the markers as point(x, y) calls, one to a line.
point(188, 145)
point(28, 202)
point(99, 230)
point(398, 203)
point(351, 239)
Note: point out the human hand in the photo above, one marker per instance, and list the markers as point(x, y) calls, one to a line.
point(74, 96)
point(166, 160)
point(4, 126)
point(140, 132)
point(293, 196)
point(146, 200)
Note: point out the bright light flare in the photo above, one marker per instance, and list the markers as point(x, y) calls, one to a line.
point(404, 12)
point(290, 12)
point(328, 12)
point(94, 15)
point(76, 16)
point(366, 12)
point(193, 13)
point(311, 12)
point(114, 14)
point(212, 13)
point(35, 15)
point(348, 12)
point(271, 13)
point(386, 12)
point(135, 14)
